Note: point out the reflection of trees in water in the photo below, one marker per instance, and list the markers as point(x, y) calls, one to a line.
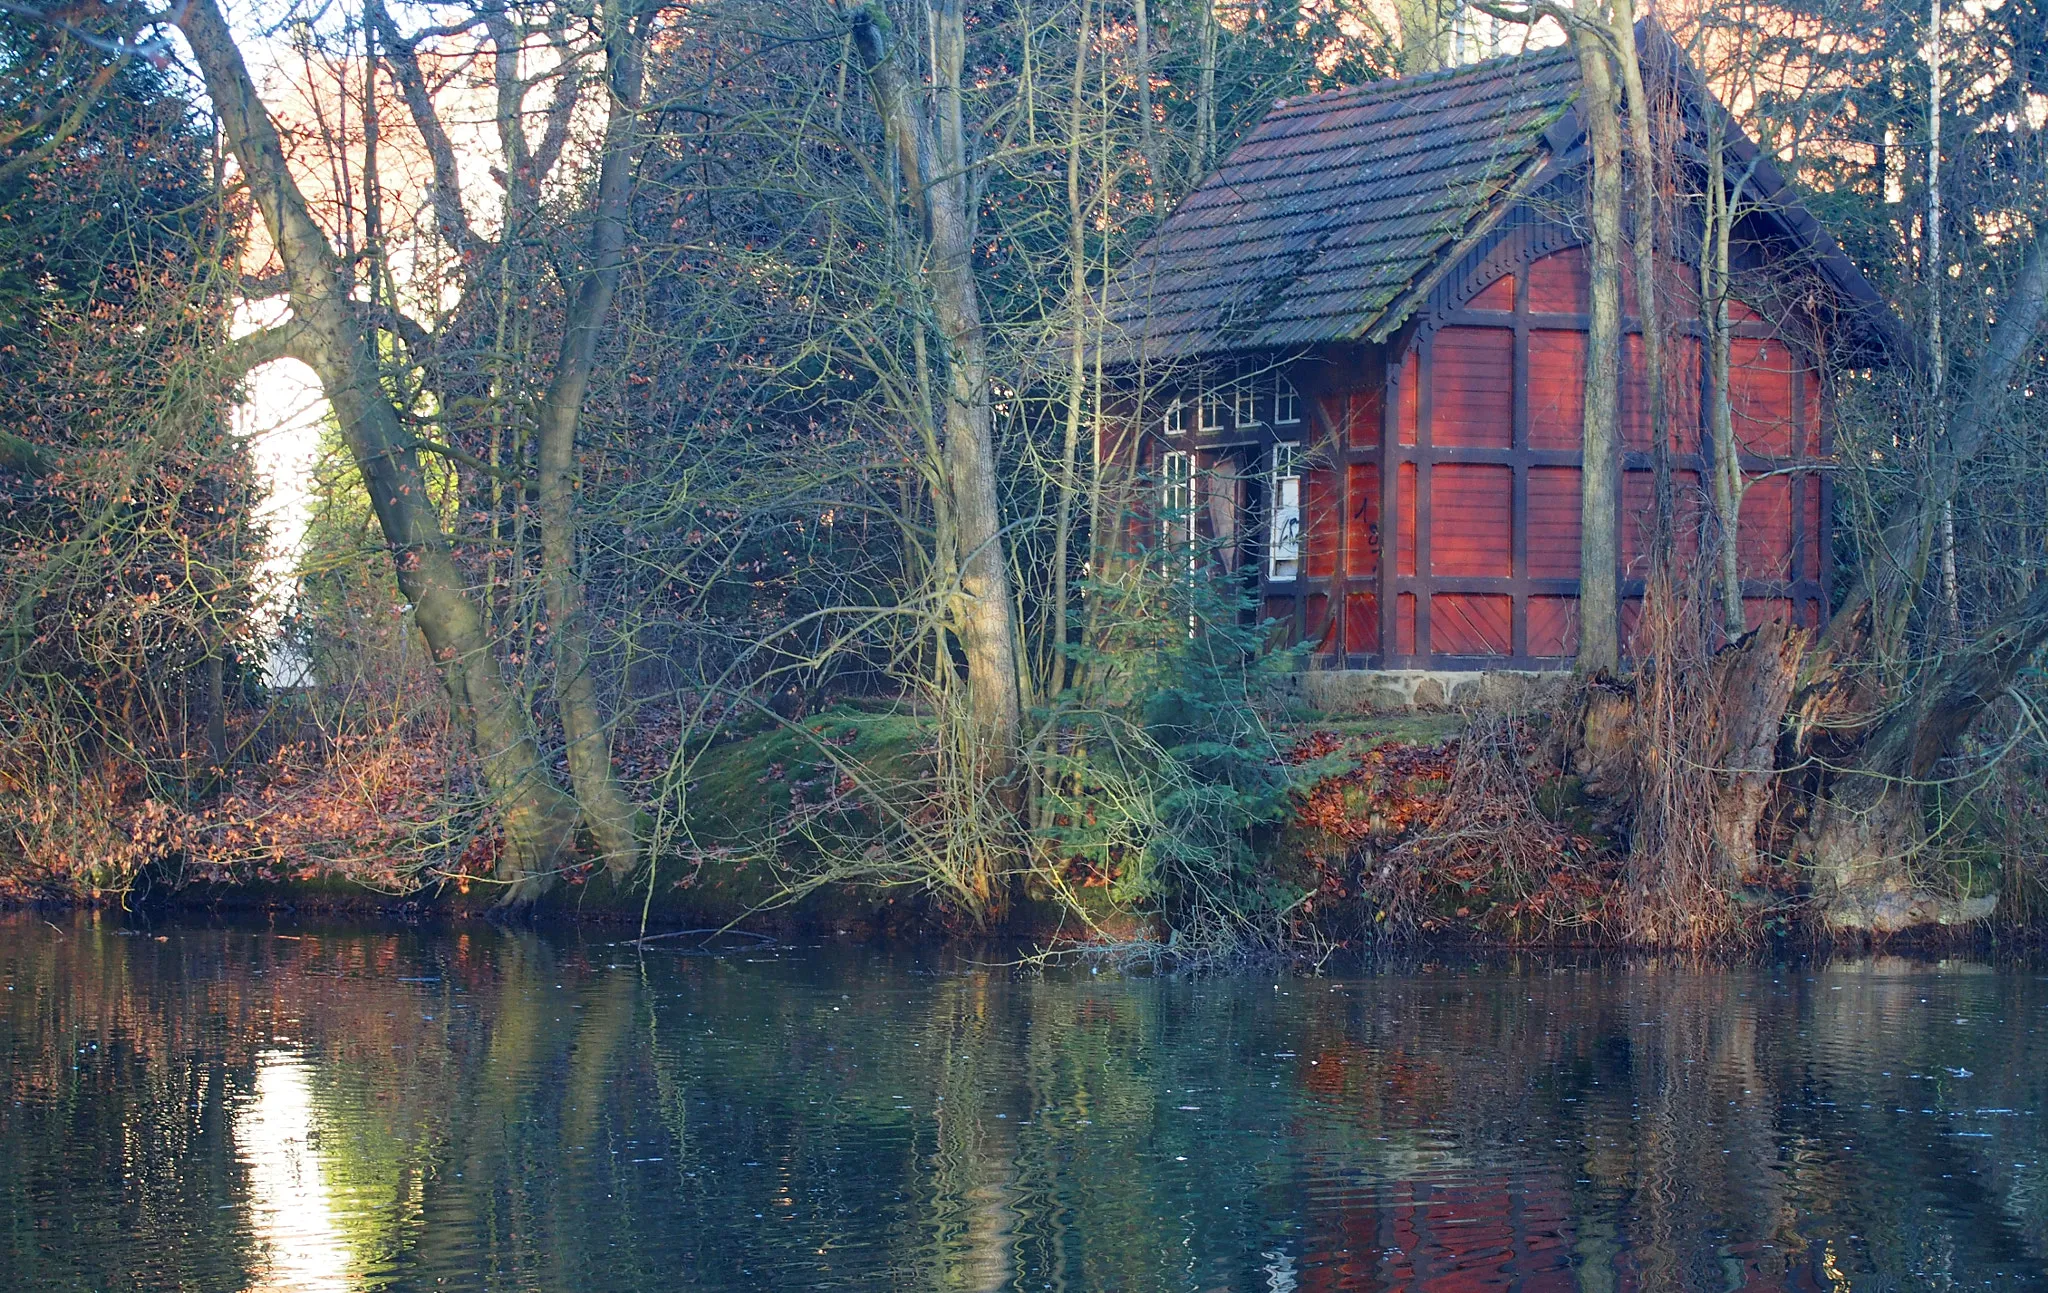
point(561, 1114)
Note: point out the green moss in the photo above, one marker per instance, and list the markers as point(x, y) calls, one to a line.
point(742, 789)
point(1564, 800)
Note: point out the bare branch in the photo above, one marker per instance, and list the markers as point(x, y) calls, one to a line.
point(283, 341)
point(412, 83)
point(475, 463)
point(560, 114)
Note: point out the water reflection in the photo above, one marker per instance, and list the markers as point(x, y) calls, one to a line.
point(278, 1136)
point(336, 1108)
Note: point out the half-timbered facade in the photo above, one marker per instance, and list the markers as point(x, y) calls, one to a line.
point(1355, 363)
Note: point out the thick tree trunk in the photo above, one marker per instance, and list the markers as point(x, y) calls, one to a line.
point(1870, 820)
point(1599, 560)
point(1724, 737)
point(934, 165)
point(539, 819)
point(1752, 685)
point(23, 456)
point(1649, 285)
point(606, 809)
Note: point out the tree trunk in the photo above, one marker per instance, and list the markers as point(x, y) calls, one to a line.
point(1870, 821)
point(1649, 286)
point(1891, 577)
point(1727, 466)
point(216, 712)
point(1205, 93)
point(1727, 730)
point(1599, 561)
point(1752, 684)
point(1841, 696)
point(445, 190)
point(1077, 372)
point(606, 809)
point(539, 819)
point(1147, 132)
point(934, 166)
point(1934, 270)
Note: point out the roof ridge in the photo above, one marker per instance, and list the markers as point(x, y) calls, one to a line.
point(1399, 85)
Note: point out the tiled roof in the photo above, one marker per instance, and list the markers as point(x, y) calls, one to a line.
point(1333, 205)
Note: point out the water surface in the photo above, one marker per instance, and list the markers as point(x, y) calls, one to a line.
point(307, 1107)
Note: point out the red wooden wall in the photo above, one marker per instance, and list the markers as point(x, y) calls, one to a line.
point(1336, 604)
point(1482, 480)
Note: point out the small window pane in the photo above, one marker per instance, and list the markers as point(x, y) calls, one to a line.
point(1286, 404)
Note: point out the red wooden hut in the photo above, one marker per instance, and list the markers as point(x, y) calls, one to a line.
point(1356, 358)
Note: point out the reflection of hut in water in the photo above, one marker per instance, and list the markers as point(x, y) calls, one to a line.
point(1399, 1203)
point(1425, 1173)
point(1497, 1232)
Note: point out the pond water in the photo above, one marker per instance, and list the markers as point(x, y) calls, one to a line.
point(332, 1107)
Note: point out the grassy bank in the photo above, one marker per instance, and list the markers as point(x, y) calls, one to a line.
point(1411, 826)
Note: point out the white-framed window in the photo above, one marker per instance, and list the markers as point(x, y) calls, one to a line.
point(1174, 420)
point(1244, 396)
point(1286, 403)
point(1177, 495)
point(1211, 410)
point(1283, 539)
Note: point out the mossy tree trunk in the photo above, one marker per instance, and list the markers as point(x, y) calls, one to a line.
point(335, 340)
point(606, 809)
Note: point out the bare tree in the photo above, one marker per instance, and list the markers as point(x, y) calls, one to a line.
point(929, 140)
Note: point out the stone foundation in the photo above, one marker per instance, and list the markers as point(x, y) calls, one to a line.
point(1383, 691)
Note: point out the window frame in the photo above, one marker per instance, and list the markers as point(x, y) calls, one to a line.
point(1244, 403)
point(1177, 476)
point(1286, 539)
point(1286, 402)
point(1173, 420)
